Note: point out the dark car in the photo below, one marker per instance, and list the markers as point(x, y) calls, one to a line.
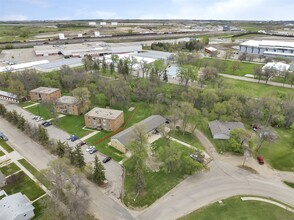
point(46, 123)
point(81, 143)
point(74, 138)
point(260, 160)
point(106, 159)
point(92, 151)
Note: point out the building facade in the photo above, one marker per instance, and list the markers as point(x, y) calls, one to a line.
point(45, 94)
point(268, 48)
point(68, 105)
point(7, 96)
point(103, 118)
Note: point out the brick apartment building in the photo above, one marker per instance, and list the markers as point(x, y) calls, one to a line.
point(106, 119)
point(68, 105)
point(44, 94)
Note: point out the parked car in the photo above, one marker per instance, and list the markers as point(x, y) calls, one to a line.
point(74, 138)
point(34, 117)
point(39, 118)
point(46, 123)
point(3, 137)
point(92, 151)
point(196, 157)
point(106, 159)
point(90, 148)
point(81, 143)
point(260, 160)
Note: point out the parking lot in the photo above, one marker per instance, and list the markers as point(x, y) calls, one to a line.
point(113, 170)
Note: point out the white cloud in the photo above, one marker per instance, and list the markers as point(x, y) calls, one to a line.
point(13, 18)
point(96, 14)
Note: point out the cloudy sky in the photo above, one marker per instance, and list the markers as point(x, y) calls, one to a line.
point(147, 9)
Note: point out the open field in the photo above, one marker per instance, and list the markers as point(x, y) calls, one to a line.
point(73, 125)
point(157, 183)
point(187, 138)
point(40, 110)
point(26, 103)
point(280, 154)
point(24, 185)
point(227, 66)
point(289, 184)
point(236, 209)
point(9, 169)
point(6, 146)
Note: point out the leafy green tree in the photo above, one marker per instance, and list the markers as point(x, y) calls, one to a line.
point(171, 158)
point(21, 123)
point(83, 95)
point(60, 148)
point(98, 171)
point(238, 139)
point(190, 166)
point(79, 160)
point(17, 88)
point(43, 137)
point(292, 133)
point(187, 73)
point(3, 110)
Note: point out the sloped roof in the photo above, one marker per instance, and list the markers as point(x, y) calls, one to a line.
point(8, 94)
point(14, 205)
point(224, 128)
point(148, 124)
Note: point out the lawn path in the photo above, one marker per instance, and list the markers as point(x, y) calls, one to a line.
point(30, 105)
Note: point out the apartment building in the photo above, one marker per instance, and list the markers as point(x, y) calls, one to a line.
point(68, 105)
point(44, 94)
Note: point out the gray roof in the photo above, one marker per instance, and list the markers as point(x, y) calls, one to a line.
point(155, 54)
point(67, 100)
point(60, 63)
point(104, 113)
point(148, 124)
point(224, 128)
point(8, 94)
point(45, 90)
point(14, 205)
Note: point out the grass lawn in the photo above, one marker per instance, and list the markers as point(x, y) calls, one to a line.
point(156, 183)
point(6, 146)
point(236, 209)
point(26, 103)
point(280, 154)
point(1, 153)
point(244, 67)
point(257, 89)
point(103, 147)
point(9, 169)
point(73, 125)
point(143, 110)
point(26, 186)
point(33, 171)
point(289, 184)
point(40, 110)
point(39, 207)
point(187, 138)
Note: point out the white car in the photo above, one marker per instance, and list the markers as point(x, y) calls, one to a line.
point(90, 148)
point(39, 119)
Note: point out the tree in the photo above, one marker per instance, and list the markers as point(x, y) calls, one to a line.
point(236, 66)
point(43, 137)
point(79, 160)
point(242, 57)
point(3, 110)
point(159, 67)
point(83, 95)
point(187, 73)
point(104, 65)
point(292, 133)
point(88, 62)
point(285, 75)
point(145, 67)
point(268, 73)
point(165, 77)
point(291, 78)
point(209, 73)
point(17, 88)
point(257, 72)
point(268, 135)
point(98, 172)
point(238, 139)
point(228, 54)
point(171, 158)
point(60, 148)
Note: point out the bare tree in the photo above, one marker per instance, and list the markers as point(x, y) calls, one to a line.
point(268, 135)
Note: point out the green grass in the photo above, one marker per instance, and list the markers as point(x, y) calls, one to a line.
point(245, 67)
point(6, 146)
point(187, 138)
point(39, 207)
point(40, 110)
point(281, 153)
point(236, 209)
point(289, 184)
point(143, 110)
point(157, 183)
point(256, 89)
point(26, 103)
point(9, 169)
point(103, 147)
point(26, 186)
point(33, 171)
point(1, 153)
point(73, 125)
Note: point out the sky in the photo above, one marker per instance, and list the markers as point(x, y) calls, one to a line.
point(146, 9)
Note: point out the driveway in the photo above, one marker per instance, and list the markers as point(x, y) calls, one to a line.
point(113, 170)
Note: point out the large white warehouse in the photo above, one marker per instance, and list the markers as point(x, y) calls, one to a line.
point(268, 48)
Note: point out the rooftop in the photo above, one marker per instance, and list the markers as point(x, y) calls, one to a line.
point(14, 205)
point(218, 127)
point(149, 124)
point(45, 90)
point(60, 63)
point(67, 100)
point(104, 113)
point(8, 94)
point(268, 43)
point(277, 66)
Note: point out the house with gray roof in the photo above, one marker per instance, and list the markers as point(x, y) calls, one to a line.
point(123, 138)
point(221, 130)
point(7, 96)
point(16, 207)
